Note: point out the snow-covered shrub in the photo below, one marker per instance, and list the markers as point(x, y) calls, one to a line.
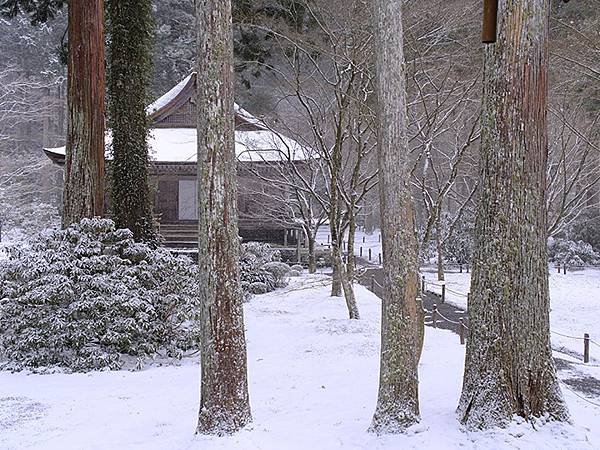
point(259, 288)
point(89, 297)
point(254, 256)
point(294, 273)
point(297, 268)
point(572, 253)
point(279, 270)
point(587, 229)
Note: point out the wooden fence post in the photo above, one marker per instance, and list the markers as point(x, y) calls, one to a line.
point(434, 315)
point(369, 254)
point(361, 252)
point(565, 268)
point(468, 298)
point(443, 293)
point(460, 268)
point(363, 239)
point(379, 238)
point(467, 268)
point(586, 348)
point(380, 259)
point(461, 330)
point(372, 283)
point(558, 268)
point(423, 284)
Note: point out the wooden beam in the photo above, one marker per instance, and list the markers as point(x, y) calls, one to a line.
point(490, 19)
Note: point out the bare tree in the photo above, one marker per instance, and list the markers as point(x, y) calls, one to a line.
point(398, 400)
point(444, 123)
point(329, 83)
point(509, 368)
point(224, 401)
point(572, 167)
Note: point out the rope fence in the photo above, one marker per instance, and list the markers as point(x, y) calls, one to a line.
point(424, 283)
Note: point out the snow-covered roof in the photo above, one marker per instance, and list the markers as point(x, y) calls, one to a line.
point(182, 92)
point(254, 141)
point(180, 145)
point(163, 101)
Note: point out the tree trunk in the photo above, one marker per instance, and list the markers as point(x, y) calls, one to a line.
point(508, 358)
point(130, 24)
point(224, 402)
point(336, 277)
point(398, 401)
point(440, 251)
point(84, 172)
point(346, 286)
point(312, 255)
point(351, 264)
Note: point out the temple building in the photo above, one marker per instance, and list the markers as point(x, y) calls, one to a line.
point(173, 155)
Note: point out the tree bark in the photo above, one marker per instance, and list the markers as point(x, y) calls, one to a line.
point(224, 401)
point(312, 256)
point(351, 264)
point(84, 172)
point(336, 276)
point(509, 368)
point(398, 401)
point(131, 30)
point(440, 250)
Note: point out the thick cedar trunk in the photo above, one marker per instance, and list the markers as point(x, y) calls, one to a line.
point(509, 368)
point(398, 401)
point(131, 24)
point(84, 173)
point(224, 402)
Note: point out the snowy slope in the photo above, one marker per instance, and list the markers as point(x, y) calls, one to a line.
point(313, 380)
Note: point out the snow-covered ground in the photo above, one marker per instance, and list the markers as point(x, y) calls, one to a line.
point(313, 385)
point(365, 240)
point(574, 302)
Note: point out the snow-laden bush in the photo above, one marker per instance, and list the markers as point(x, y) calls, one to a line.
point(254, 256)
point(294, 273)
point(572, 253)
point(279, 270)
point(259, 288)
point(89, 297)
point(297, 268)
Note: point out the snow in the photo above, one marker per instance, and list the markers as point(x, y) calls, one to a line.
point(165, 99)
point(372, 241)
point(180, 145)
point(574, 303)
point(313, 385)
